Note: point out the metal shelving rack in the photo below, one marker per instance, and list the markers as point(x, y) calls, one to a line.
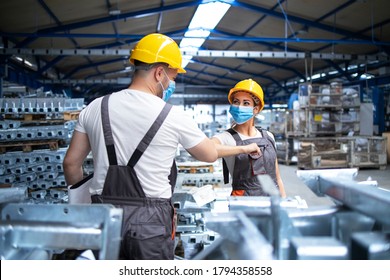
point(330, 109)
point(34, 134)
point(366, 151)
point(322, 152)
point(287, 129)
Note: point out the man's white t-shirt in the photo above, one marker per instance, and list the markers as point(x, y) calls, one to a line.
point(131, 115)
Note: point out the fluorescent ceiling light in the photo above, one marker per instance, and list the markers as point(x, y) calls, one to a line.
point(206, 17)
point(279, 106)
point(316, 76)
point(25, 61)
point(366, 76)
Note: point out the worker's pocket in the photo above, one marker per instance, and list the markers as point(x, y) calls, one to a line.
point(146, 231)
point(257, 163)
point(145, 242)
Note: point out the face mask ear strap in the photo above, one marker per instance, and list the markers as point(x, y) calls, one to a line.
point(157, 73)
point(161, 84)
point(166, 75)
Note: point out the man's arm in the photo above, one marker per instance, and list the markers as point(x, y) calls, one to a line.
point(204, 151)
point(73, 162)
point(226, 151)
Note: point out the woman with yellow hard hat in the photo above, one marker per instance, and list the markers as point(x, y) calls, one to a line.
point(247, 100)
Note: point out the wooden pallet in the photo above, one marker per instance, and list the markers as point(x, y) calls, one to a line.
point(71, 115)
point(29, 146)
point(42, 122)
point(25, 117)
point(196, 169)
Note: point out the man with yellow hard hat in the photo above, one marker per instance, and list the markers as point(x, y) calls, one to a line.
point(133, 135)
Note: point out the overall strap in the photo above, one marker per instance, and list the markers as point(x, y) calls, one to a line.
point(107, 132)
point(266, 135)
point(149, 135)
point(225, 171)
point(234, 133)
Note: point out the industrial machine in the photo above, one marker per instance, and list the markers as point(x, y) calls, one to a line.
point(31, 231)
point(211, 225)
point(356, 227)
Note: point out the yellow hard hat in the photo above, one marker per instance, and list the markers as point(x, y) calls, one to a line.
point(250, 86)
point(155, 48)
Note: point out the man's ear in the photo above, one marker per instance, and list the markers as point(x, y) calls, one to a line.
point(159, 73)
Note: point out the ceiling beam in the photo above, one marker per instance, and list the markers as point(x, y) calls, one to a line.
point(121, 81)
point(93, 65)
point(71, 26)
point(198, 53)
point(307, 22)
point(65, 52)
point(210, 38)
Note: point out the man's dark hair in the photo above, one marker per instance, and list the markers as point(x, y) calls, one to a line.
point(139, 65)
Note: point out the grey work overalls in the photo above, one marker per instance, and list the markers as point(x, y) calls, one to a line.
point(148, 228)
point(247, 167)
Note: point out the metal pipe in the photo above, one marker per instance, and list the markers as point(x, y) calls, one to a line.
point(268, 186)
point(12, 195)
point(338, 184)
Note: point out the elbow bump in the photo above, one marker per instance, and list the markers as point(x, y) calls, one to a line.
point(211, 157)
point(214, 156)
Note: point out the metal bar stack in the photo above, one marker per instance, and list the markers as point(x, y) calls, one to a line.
point(34, 135)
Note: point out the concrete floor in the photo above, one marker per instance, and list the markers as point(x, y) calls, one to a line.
point(296, 187)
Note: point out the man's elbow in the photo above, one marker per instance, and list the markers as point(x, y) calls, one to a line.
point(69, 165)
point(205, 151)
point(212, 153)
point(65, 163)
point(212, 156)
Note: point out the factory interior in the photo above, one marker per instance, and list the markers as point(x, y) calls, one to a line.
point(324, 68)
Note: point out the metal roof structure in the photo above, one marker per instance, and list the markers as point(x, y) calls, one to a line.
point(83, 46)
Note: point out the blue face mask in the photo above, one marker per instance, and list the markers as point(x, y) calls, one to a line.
point(241, 114)
point(170, 89)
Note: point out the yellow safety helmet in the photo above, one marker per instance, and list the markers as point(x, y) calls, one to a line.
point(155, 48)
point(249, 86)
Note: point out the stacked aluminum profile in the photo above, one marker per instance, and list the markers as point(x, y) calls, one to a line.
point(40, 172)
point(44, 132)
point(29, 121)
point(40, 105)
